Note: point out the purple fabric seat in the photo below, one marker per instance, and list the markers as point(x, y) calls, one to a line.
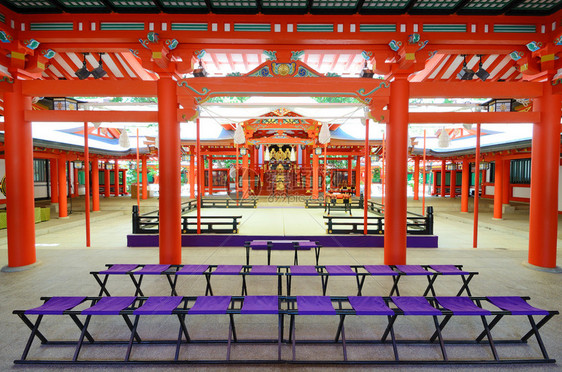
point(415, 305)
point(448, 270)
point(516, 306)
point(56, 305)
point(281, 245)
point(152, 270)
point(413, 270)
point(340, 270)
point(304, 270)
point(258, 244)
point(119, 269)
point(260, 305)
point(305, 246)
point(109, 306)
point(380, 270)
point(315, 305)
point(461, 306)
point(159, 305)
point(210, 305)
point(369, 305)
point(192, 270)
point(263, 270)
point(227, 270)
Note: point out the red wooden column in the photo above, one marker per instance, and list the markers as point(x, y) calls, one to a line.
point(505, 181)
point(498, 189)
point(116, 178)
point(144, 171)
point(169, 162)
point(545, 163)
point(19, 178)
point(453, 182)
point(63, 213)
point(95, 185)
point(106, 181)
point(54, 181)
point(358, 177)
point(191, 173)
point(465, 185)
point(245, 172)
point(416, 178)
point(396, 174)
point(349, 171)
point(443, 178)
point(315, 169)
point(210, 175)
point(75, 183)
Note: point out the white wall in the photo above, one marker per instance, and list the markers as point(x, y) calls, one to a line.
point(560, 189)
point(2, 174)
point(521, 192)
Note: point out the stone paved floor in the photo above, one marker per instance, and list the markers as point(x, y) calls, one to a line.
point(65, 264)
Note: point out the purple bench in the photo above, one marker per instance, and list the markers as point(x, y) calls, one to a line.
point(282, 245)
point(136, 307)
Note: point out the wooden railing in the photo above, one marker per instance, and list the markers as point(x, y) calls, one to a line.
point(416, 224)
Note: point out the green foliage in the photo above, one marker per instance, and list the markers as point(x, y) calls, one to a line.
point(134, 99)
point(228, 99)
point(335, 100)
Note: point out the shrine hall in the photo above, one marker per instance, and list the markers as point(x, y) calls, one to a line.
point(156, 155)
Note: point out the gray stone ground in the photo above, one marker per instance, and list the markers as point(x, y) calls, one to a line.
point(65, 264)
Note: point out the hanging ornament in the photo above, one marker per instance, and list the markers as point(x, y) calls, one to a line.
point(124, 139)
point(97, 124)
point(293, 155)
point(324, 135)
point(444, 140)
point(266, 156)
point(239, 137)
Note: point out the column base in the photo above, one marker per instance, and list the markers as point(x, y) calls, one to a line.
point(9, 269)
point(63, 218)
point(554, 270)
point(497, 219)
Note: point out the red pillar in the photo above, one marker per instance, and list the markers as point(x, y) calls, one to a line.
point(54, 181)
point(315, 176)
point(416, 178)
point(358, 177)
point(191, 174)
point(124, 181)
point(465, 185)
point(443, 178)
point(144, 171)
point(106, 181)
point(210, 175)
point(245, 176)
point(453, 183)
point(169, 161)
point(396, 174)
point(75, 183)
point(116, 178)
point(545, 163)
point(498, 188)
point(95, 185)
point(63, 213)
point(349, 171)
point(19, 179)
point(505, 181)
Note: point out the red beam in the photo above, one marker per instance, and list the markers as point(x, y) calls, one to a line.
point(91, 116)
point(475, 89)
point(474, 117)
point(93, 88)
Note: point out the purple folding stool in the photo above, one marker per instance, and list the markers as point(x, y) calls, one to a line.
point(420, 306)
point(222, 270)
point(266, 270)
point(146, 270)
point(53, 306)
point(385, 270)
point(466, 276)
point(105, 306)
point(299, 271)
point(117, 269)
point(339, 270)
point(418, 270)
point(185, 270)
point(314, 305)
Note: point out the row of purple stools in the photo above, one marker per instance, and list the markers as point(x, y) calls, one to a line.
point(382, 329)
